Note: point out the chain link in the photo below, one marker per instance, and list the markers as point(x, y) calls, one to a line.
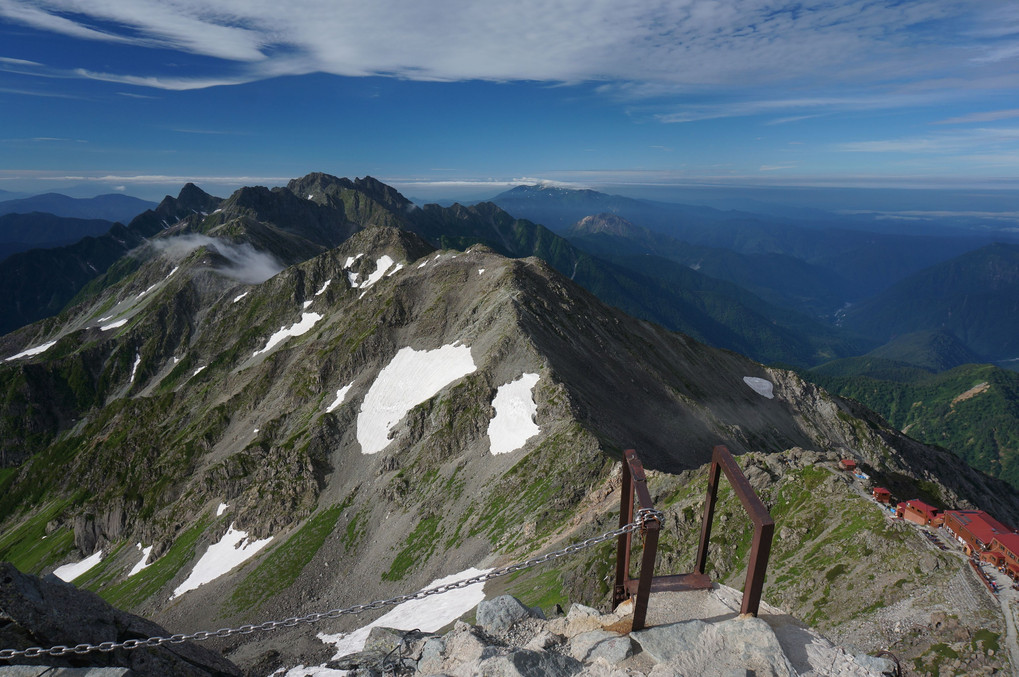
point(644, 516)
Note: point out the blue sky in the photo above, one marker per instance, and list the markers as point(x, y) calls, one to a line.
point(142, 95)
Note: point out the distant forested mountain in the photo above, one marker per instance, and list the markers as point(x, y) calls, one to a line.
point(974, 296)
point(21, 232)
point(972, 410)
point(867, 261)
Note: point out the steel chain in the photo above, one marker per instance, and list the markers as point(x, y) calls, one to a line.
point(644, 515)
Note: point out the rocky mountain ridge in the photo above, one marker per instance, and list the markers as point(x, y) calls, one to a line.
point(195, 409)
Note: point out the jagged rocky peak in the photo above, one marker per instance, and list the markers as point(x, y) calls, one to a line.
point(609, 224)
point(193, 197)
point(190, 199)
point(322, 188)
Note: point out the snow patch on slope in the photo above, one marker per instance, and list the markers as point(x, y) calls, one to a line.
point(513, 423)
point(143, 562)
point(428, 614)
point(760, 386)
point(69, 572)
point(383, 264)
point(341, 395)
point(233, 549)
point(113, 325)
point(32, 351)
point(408, 380)
point(307, 321)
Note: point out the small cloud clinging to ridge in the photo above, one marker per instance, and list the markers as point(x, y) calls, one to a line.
point(246, 264)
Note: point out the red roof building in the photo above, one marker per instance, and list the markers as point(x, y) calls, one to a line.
point(847, 464)
point(975, 529)
point(918, 512)
point(882, 495)
point(1004, 553)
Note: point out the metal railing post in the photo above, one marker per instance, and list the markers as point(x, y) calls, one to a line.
point(634, 485)
point(623, 545)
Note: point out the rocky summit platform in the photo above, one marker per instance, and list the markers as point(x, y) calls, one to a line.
point(688, 633)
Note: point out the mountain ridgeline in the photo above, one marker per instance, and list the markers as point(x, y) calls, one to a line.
point(338, 377)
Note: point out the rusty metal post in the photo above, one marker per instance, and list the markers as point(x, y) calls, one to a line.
point(709, 514)
point(764, 526)
point(760, 550)
point(647, 573)
point(647, 566)
point(619, 593)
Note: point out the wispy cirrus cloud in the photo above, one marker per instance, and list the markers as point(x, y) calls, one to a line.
point(987, 116)
point(963, 141)
point(639, 46)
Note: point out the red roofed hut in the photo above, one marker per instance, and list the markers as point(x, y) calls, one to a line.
point(918, 512)
point(1006, 549)
point(847, 464)
point(882, 495)
point(975, 529)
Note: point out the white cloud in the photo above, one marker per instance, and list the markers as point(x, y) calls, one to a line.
point(986, 116)
point(966, 141)
point(246, 264)
point(657, 45)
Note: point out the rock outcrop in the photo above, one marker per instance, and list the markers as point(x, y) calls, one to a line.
point(512, 640)
point(45, 612)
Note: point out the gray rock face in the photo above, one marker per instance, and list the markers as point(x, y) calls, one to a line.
point(696, 647)
point(49, 612)
point(742, 646)
point(45, 671)
point(882, 666)
point(611, 647)
point(526, 663)
point(498, 615)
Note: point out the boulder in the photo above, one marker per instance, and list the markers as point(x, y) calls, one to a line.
point(498, 615)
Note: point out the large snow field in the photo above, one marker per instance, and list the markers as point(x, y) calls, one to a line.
point(408, 380)
point(32, 351)
point(760, 386)
point(220, 558)
point(513, 423)
point(428, 614)
point(305, 324)
point(69, 572)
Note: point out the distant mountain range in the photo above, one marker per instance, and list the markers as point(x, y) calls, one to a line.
point(777, 278)
point(867, 261)
point(112, 207)
point(974, 296)
point(21, 232)
point(38, 283)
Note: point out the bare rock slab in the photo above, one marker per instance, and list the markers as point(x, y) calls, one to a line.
point(698, 648)
point(610, 647)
